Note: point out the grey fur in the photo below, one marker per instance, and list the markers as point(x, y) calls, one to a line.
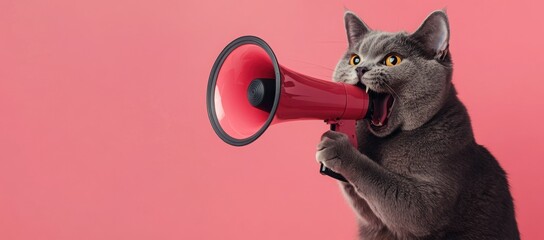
point(422, 176)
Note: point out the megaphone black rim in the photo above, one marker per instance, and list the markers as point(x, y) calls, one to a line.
point(210, 96)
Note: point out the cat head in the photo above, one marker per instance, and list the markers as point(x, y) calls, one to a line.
point(407, 76)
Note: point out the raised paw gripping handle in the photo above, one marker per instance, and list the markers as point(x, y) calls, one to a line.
point(347, 127)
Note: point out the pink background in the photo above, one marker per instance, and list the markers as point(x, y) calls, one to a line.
point(104, 132)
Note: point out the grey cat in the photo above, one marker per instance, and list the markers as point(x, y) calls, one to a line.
point(419, 174)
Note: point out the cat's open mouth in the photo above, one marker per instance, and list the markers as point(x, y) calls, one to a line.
point(380, 107)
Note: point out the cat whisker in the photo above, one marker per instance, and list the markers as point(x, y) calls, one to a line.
point(391, 89)
point(327, 42)
point(324, 77)
point(313, 64)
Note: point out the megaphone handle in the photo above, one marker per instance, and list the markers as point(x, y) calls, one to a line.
point(349, 128)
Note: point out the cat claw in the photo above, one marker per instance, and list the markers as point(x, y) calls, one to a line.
point(366, 89)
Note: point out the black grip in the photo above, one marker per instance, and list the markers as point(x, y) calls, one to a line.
point(326, 171)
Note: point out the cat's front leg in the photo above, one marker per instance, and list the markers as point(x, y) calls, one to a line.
point(408, 206)
point(336, 152)
point(367, 219)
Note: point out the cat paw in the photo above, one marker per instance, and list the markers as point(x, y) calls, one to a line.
point(334, 151)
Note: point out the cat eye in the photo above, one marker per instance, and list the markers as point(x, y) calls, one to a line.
point(354, 59)
point(392, 60)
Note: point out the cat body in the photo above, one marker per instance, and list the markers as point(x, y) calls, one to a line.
point(418, 173)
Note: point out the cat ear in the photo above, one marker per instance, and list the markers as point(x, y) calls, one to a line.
point(434, 33)
point(355, 28)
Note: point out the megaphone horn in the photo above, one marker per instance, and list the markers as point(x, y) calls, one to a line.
point(248, 91)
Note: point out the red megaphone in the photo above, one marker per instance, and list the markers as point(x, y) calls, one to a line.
point(248, 91)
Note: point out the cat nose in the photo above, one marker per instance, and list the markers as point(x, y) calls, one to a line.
point(361, 71)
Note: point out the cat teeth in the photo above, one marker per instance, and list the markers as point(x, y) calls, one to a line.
point(366, 89)
point(379, 124)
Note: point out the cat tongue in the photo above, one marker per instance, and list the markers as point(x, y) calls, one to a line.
point(380, 102)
